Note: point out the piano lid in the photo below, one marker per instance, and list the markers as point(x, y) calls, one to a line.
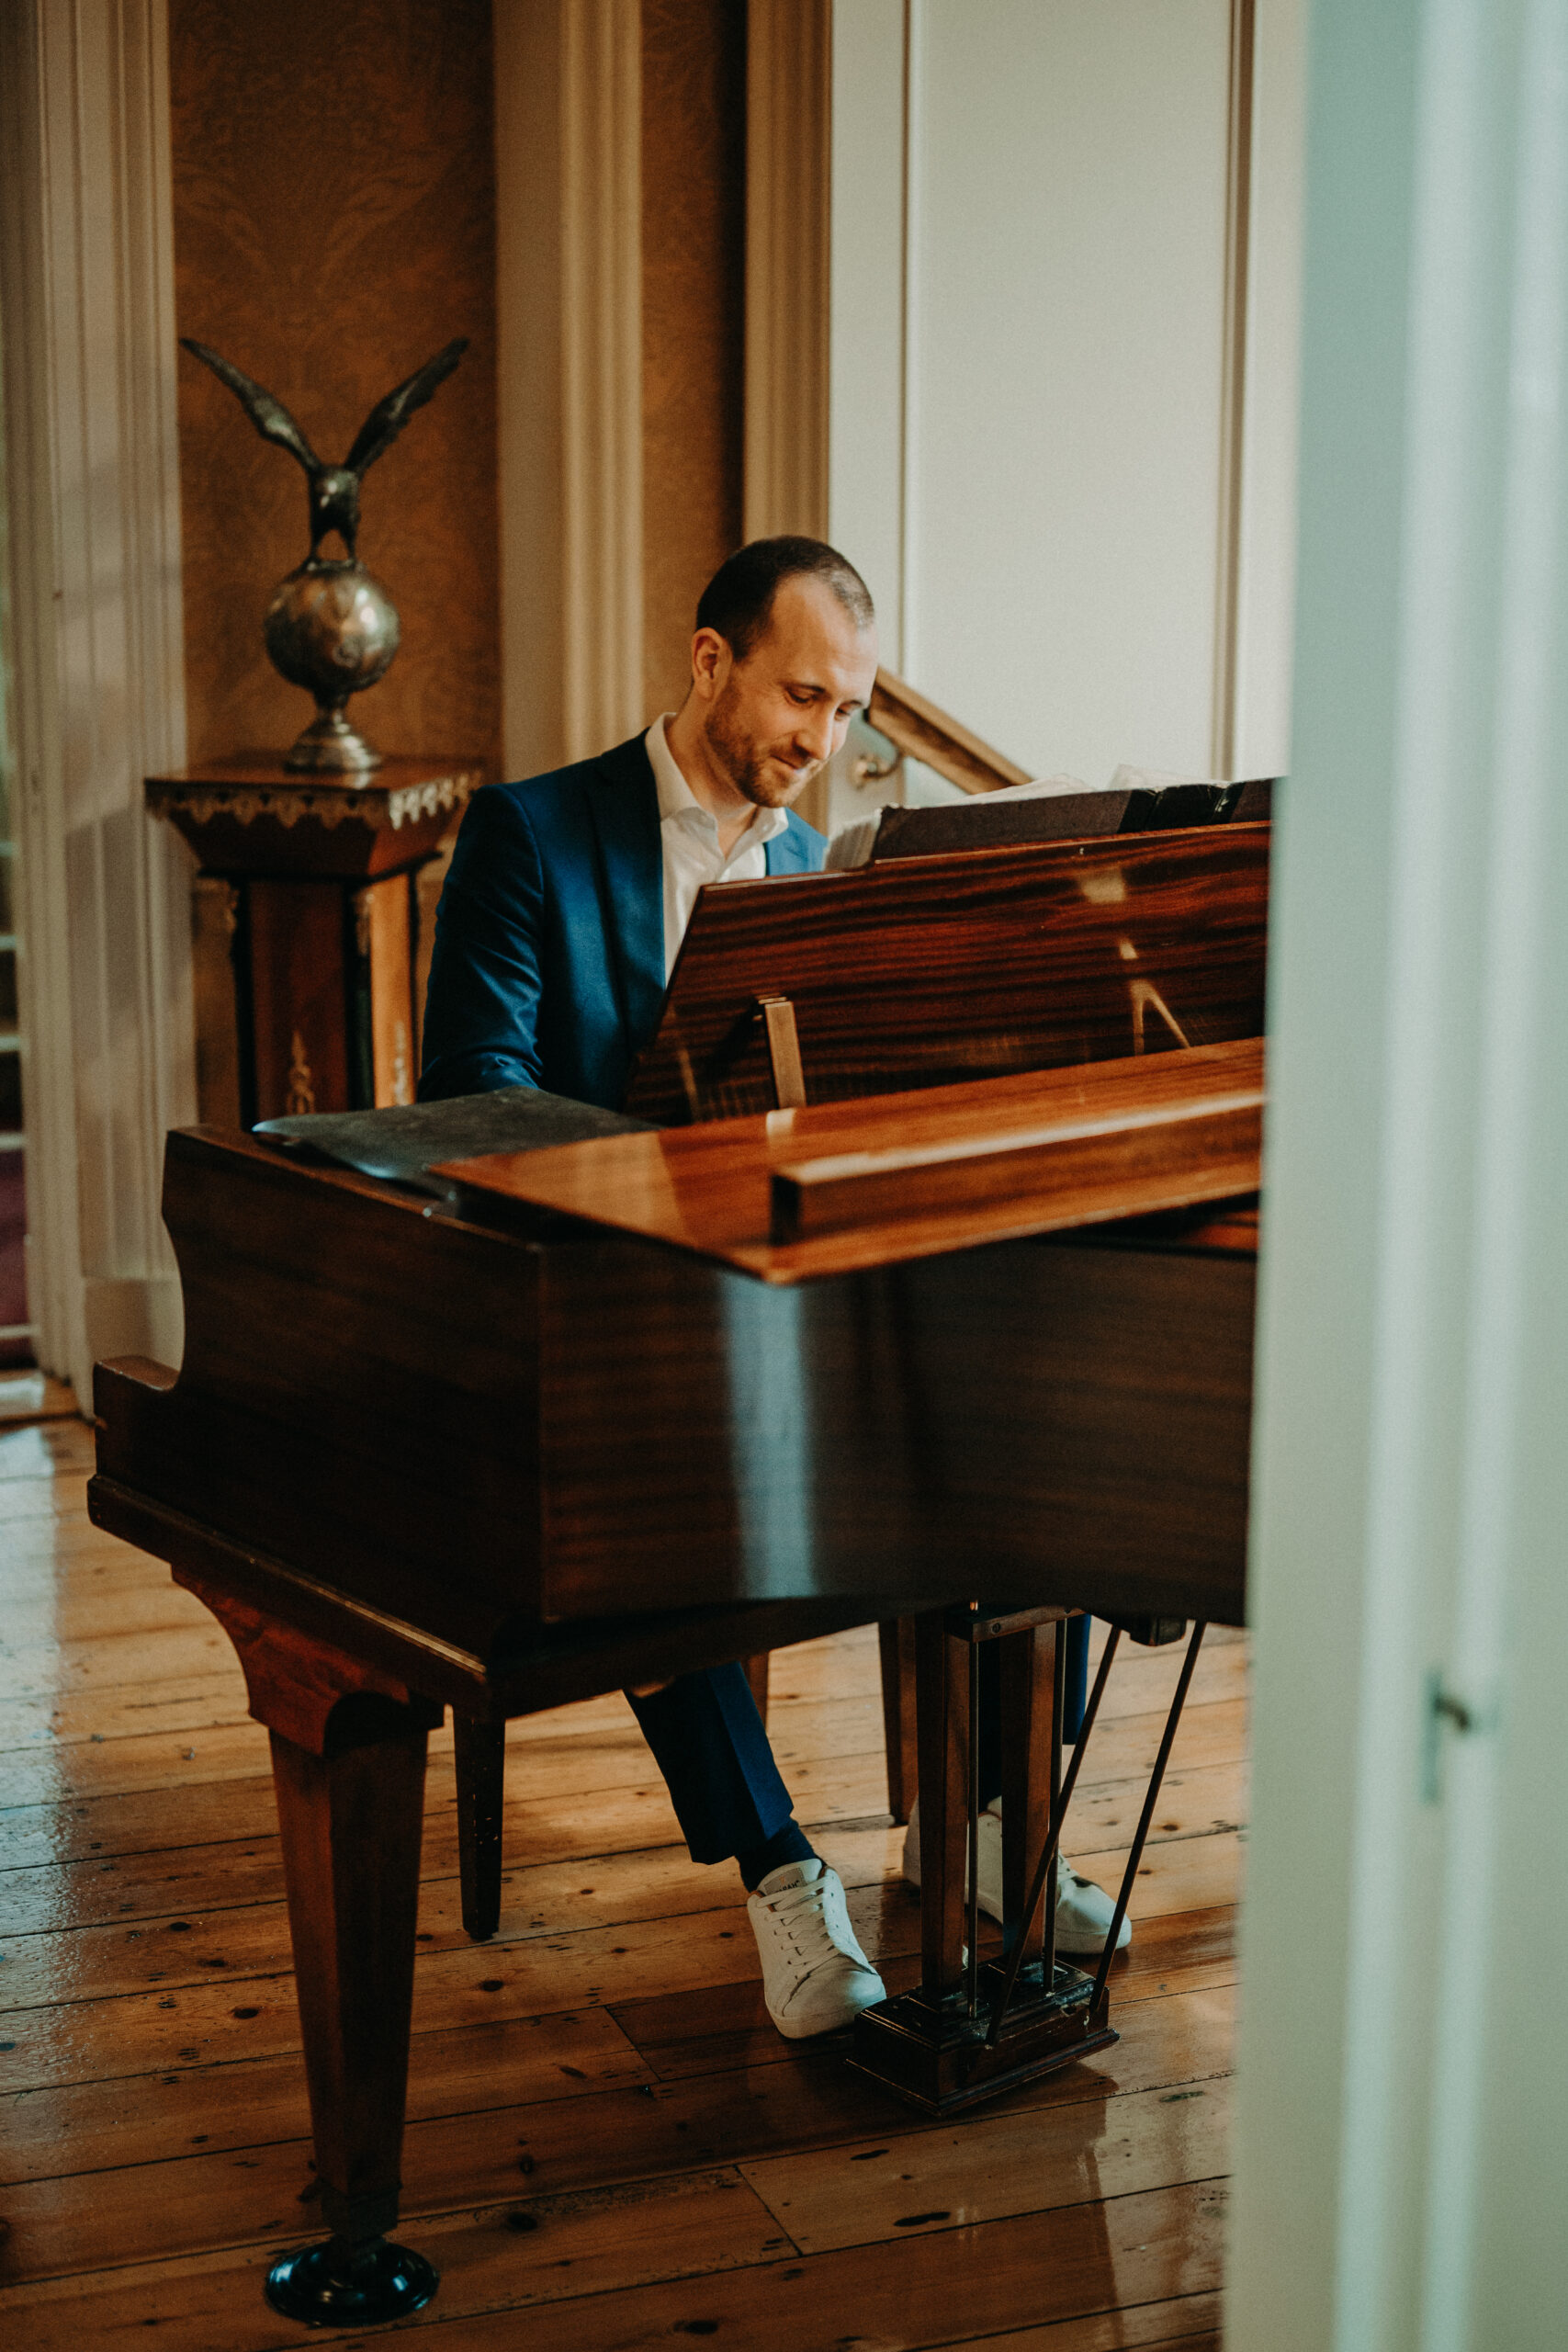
point(792, 1195)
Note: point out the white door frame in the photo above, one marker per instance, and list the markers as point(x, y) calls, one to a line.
point(1402, 2165)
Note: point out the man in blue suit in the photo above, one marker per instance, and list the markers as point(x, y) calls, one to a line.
point(556, 934)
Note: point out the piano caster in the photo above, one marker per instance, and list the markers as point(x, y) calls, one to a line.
point(936, 2055)
point(334, 2284)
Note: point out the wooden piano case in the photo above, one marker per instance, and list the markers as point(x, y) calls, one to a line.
point(416, 1457)
point(370, 1389)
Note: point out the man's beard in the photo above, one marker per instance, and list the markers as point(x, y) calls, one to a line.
point(744, 761)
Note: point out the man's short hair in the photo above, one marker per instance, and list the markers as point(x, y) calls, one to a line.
point(738, 599)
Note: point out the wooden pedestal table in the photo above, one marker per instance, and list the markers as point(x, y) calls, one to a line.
point(306, 928)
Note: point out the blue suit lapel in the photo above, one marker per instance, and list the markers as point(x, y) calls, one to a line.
point(624, 801)
point(799, 850)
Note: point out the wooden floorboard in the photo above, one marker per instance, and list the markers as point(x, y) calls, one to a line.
point(605, 2131)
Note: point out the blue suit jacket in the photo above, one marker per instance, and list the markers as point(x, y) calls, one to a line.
point(548, 966)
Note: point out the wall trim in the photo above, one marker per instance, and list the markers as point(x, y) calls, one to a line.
point(86, 282)
point(868, 491)
point(33, 748)
point(1233, 393)
point(569, 304)
point(602, 370)
point(788, 207)
point(913, 103)
point(1264, 590)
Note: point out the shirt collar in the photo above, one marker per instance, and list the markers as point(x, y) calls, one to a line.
point(676, 798)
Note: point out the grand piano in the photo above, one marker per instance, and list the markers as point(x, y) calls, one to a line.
point(918, 1282)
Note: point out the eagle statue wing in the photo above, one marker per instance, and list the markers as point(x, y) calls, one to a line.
point(388, 417)
point(268, 416)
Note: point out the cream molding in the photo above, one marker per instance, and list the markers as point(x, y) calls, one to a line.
point(569, 302)
point(601, 371)
point(789, 167)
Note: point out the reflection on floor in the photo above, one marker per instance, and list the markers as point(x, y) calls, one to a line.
point(604, 2128)
point(33, 1397)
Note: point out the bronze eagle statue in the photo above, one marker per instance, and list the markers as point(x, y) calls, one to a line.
point(334, 490)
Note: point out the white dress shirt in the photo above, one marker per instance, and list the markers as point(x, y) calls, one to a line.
point(690, 837)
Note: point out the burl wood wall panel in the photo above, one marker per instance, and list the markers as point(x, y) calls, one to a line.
point(694, 259)
point(335, 225)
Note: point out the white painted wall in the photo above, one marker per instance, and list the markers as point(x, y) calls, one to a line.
point(1068, 249)
point(1029, 342)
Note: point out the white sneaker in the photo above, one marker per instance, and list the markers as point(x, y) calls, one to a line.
point(1084, 1911)
point(815, 1976)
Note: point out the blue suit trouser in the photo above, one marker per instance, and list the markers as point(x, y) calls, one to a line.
point(710, 1744)
point(708, 1741)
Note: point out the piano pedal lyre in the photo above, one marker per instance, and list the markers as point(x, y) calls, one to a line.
point(975, 2027)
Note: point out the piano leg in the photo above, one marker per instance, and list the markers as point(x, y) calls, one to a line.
point(480, 1759)
point(348, 1742)
point(351, 1818)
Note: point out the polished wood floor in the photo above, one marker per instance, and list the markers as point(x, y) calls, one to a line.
point(608, 2145)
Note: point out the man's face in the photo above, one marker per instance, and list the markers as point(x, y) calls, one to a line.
point(772, 721)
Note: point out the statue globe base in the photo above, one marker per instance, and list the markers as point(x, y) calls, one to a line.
point(331, 745)
point(332, 629)
point(334, 2284)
